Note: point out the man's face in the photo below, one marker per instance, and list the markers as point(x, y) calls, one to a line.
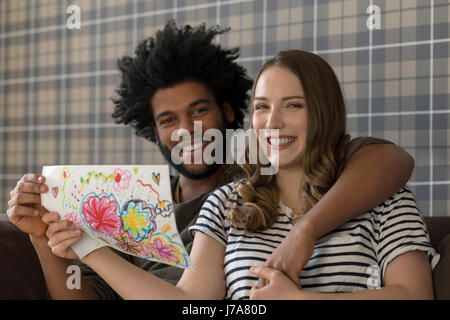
point(177, 108)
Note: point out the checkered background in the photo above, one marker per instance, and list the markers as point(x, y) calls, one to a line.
point(56, 83)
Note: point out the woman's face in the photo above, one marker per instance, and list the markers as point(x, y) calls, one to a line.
point(279, 103)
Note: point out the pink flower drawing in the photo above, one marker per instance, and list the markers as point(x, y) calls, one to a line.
point(121, 180)
point(164, 251)
point(101, 214)
point(74, 219)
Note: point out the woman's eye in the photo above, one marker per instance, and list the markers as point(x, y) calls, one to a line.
point(295, 105)
point(261, 106)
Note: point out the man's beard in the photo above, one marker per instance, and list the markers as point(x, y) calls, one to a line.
point(181, 169)
point(209, 168)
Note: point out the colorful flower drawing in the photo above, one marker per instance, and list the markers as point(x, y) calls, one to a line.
point(65, 174)
point(100, 213)
point(168, 253)
point(138, 223)
point(164, 208)
point(74, 219)
point(130, 245)
point(128, 208)
point(122, 179)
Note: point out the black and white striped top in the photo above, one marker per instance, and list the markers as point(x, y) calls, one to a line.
point(351, 258)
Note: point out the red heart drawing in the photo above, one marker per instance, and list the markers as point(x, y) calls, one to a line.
point(55, 191)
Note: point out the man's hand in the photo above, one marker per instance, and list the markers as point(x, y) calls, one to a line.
point(278, 287)
point(24, 207)
point(292, 254)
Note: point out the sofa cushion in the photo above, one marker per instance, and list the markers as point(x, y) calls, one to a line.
point(441, 274)
point(21, 274)
point(22, 277)
point(438, 227)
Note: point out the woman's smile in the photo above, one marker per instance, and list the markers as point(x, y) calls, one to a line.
point(281, 142)
point(280, 104)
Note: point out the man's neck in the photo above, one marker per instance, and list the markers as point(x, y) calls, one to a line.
point(191, 189)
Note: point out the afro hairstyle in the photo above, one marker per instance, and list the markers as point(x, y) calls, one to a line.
point(175, 55)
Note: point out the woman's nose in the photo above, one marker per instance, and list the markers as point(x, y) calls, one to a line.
point(275, 120)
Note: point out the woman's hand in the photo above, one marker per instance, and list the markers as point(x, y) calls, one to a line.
point(60, 236)
point(278, 286)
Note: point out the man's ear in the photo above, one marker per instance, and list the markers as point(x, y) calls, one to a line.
point(228, 111)
point(156, 134)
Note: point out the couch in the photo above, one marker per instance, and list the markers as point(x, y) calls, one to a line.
point(27, 280)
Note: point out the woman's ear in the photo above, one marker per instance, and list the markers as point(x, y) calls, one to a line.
point(228, 111)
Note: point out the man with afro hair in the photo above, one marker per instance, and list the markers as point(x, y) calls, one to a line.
point(178, 59)
point(176, 78)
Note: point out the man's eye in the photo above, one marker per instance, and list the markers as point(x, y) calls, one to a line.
point(165, 121)
point(196, 111)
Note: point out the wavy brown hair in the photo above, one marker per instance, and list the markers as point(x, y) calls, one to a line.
point(326, 143)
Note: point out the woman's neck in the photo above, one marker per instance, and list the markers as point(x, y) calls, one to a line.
point(288, 180)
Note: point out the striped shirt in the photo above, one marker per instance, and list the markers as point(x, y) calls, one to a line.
point(351, 258)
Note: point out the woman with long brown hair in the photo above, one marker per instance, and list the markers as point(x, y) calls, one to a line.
point(297, 96)
point(321, 134)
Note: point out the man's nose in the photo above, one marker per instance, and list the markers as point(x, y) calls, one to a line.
point(187, 124)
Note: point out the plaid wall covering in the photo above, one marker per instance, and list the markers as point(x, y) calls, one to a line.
point(56, 83)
